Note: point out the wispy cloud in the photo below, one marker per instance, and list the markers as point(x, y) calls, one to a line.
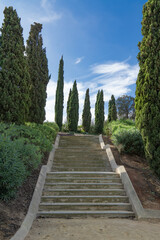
point(49, 14)
point(114, 78)
point(78, 60)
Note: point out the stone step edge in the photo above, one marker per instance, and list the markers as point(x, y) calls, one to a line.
point(82, 196)
point(85, 204)
point(87, 212)
point(84, 190)
point(81, 172)
point(79, 184)
point(76, 178)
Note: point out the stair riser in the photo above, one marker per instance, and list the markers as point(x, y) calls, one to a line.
point(85, 208)
point(70, 186)
point(77, 164)
point(82, 175)
point(50, 180)
point(83, 193)
point(83, 169)
point(83, 215)
point(82, 200)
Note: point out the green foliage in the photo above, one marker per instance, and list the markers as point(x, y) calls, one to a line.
point(130, 141)
point(126, 107)
point(15, 164)
point(86, 116)
point(68, 103)
point(125, 136)
point(59, 95)
point(21, 151)
point(38, 69)
point(112, 110)
point(73, 110)
point(147, 101)
point(14, 75)
point(99, 112)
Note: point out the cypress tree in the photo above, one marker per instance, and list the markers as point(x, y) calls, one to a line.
point(86, 116)
point(112, 110)
point(59, 95)
point(99, 112)
point(14, 75)
point(68, 103)
point(73, 111)
point(147, 101)
point(38, 69)
point(109, 110)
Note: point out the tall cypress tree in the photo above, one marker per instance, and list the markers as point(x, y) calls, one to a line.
point(86, 116)
point(68, 103)
point(73, 111)
point(99, 112)
point(59, 95)
point(147, 101)
point(38, 69)
point(109, 110)
point(14, 75)
point(112, 110)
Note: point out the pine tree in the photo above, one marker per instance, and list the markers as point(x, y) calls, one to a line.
point(147, 101)
point(86, 116)
point(38, 69)
point(14, 75)
point(112, 110)
point(99, 112)
point(59, 95)
point(73, 111)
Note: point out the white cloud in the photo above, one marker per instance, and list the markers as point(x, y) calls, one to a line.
point(114, 78)
point(78, 60)
point(49, 14)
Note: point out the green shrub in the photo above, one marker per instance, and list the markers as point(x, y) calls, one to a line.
point(12, 168)
point(130, 141)
point(21, 150)
point(125, 136)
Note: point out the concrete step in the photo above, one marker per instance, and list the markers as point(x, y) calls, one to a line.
point(72, 214)
point(97, 169)
point(85, 206)
point(83, 186)
point(84, 199)
point(84, 180)
point(71, 192)
point(80, 164)
point(83, 174)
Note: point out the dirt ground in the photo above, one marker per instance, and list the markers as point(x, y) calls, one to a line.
point(146, 184)
point(93, 229)
point(13, 212)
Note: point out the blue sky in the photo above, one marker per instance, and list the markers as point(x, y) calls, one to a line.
point(98, 40)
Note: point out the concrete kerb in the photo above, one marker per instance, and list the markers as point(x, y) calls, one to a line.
point(34, 205)
point(140, 212)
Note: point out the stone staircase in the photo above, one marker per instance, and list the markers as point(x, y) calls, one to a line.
point(82, 183)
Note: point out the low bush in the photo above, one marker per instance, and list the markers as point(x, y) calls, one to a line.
point(130, 141)
point(125, 136)
point(12, 168)
point(21, 151)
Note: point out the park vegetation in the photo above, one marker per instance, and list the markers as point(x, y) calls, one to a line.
point(147, 101)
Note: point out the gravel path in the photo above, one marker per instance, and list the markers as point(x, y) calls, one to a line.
point(94, 229)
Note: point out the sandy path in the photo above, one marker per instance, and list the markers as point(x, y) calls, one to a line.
point(94, 229)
